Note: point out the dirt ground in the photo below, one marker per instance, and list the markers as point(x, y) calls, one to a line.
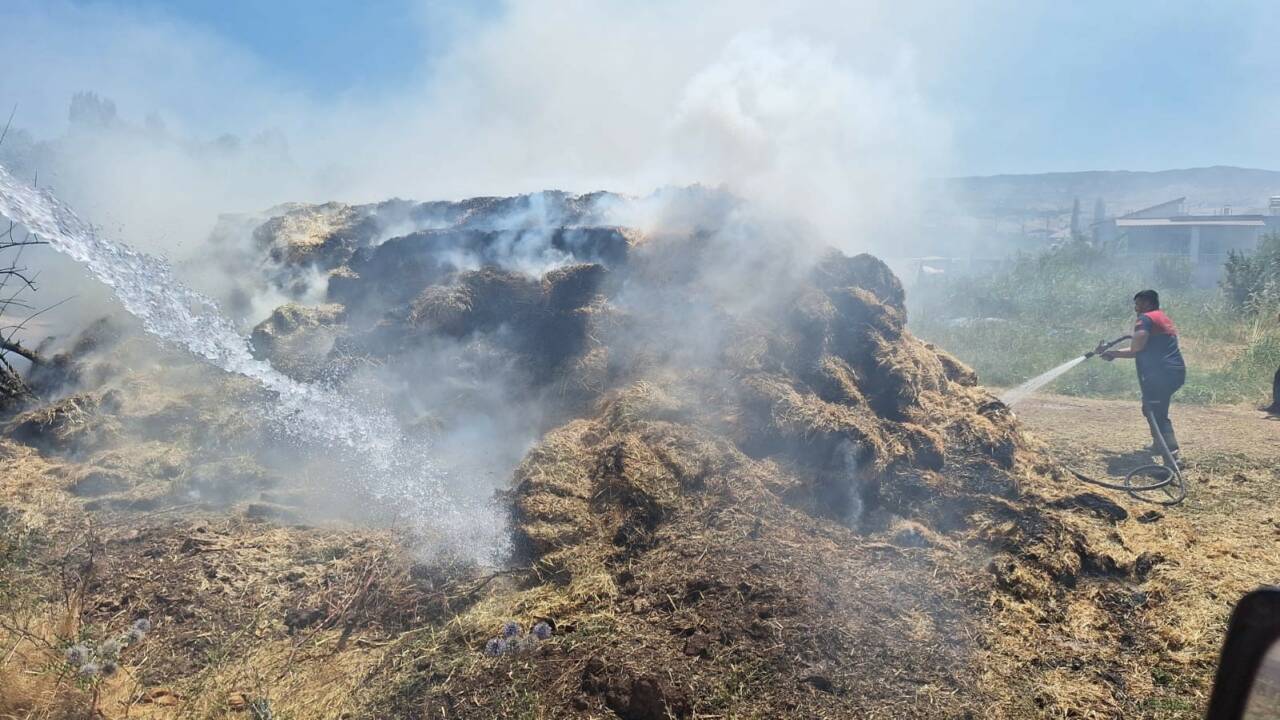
point(1211, 435)
point(819, 516)
point(332, 619)
point(1220, 543)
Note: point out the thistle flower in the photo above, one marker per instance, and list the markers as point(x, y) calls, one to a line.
point(495, 647)
point(109, 668)
point(111, 648)
point(542, 631)
point(90, 670)
point(134, 636)
point(528, 643)
point(510, 629)
point(77, 655)
point(142, 624)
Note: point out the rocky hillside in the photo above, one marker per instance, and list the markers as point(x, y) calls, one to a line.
point(1244, 189)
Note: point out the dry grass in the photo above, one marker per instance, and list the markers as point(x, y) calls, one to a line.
point(1208, 552)
point(834, 523)
point(294, 618)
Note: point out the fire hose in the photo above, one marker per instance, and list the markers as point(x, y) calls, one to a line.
point(1166, 477)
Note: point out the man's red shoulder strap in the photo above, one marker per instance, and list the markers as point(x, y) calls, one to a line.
point(1161, 324)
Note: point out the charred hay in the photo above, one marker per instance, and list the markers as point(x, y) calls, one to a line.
point(796, 511)
point(820, 418)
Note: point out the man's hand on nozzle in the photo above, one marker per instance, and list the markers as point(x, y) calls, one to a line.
point(1102, 347)
point(1109, 355)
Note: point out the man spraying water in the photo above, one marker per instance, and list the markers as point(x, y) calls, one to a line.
point(1161, 370)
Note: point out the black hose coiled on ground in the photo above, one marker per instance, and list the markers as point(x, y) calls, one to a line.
point(1167, 477)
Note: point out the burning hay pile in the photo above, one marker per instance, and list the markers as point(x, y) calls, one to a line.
point(782, 505)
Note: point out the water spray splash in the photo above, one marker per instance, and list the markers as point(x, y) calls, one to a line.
point(395, 472)
point(1028, 388)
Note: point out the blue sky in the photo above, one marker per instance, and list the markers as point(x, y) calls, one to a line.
point(319, 45)
point(1134, 85)
point(1020, 86)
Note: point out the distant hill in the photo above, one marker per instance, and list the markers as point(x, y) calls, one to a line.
point(1244, 189)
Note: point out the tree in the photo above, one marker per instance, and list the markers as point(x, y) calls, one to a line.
point(1099, 216)
point(1075, 219)
point(15, 283)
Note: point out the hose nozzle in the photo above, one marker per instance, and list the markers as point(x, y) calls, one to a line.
point(1104, 346)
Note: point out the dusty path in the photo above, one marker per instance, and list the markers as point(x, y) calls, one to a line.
point(1219, 544)
point(1077, 428)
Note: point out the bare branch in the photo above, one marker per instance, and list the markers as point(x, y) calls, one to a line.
point(12, 303)
point(20, 274)
point(16, 348)
point(5, 132)
point(35, 315)
point(12, 385)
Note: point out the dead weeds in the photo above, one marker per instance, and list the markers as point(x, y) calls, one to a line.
point(824, 518)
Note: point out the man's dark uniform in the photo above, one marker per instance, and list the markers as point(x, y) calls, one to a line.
point(1161, 371)
point(1274, 408)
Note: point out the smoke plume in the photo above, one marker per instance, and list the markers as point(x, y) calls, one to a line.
point(811, 123)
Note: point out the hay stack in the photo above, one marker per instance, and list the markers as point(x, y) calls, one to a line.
point(297, 338)
point(787, 508)
point(825, 458)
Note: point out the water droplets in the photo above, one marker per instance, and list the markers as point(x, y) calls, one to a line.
point(392, 470)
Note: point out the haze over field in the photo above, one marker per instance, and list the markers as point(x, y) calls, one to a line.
point(414, 359)
point(832, 113)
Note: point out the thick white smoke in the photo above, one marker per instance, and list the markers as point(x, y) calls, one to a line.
point(791, 128)
point(814, 114)
point(817, 109)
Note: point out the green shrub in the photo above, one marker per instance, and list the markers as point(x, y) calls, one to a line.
point(1252, 282)
point(1043, 309)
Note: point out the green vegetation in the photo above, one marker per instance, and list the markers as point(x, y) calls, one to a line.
point(1046, 308)
point(1252, 282)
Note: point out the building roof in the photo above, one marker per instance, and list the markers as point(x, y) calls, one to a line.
point(1199, 220)
point(1166, 208)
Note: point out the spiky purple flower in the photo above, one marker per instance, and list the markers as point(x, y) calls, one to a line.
point(134, 636)
point(510, 629)
point(109, 668)
point(89, 670)
point(77, 655)
point(111, 648)
point(542, 631)
point(495, 647)
point(142, 624)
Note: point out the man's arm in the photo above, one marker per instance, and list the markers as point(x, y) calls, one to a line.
point(1136, 345)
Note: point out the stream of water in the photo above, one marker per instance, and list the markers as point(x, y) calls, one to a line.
point(1016, 395)
point(396, 472)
